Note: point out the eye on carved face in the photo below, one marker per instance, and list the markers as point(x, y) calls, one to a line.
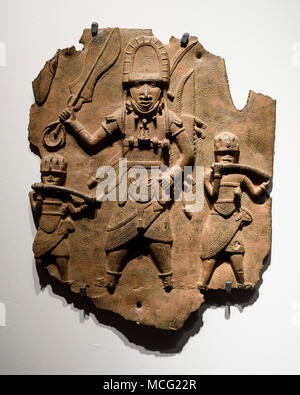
point(145, 94)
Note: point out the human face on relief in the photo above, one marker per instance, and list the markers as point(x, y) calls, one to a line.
point(53, 178)
point(227, 156)
point(145, 94)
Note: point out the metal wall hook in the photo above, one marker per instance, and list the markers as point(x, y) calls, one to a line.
point(185, 40)
point(228, 287)
point(94, 29)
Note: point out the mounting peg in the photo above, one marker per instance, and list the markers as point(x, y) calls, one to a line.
point(94, 29)
point(228, 287)
point(185, 40)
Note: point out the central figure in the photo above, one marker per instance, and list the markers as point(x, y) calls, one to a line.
point(148, 132)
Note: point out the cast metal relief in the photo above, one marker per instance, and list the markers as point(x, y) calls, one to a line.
point(154, 188)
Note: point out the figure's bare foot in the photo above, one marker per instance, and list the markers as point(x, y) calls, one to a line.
point(68, 282)
point(111, 282)
point(167, 282)
point(99, 282)
point(202, 287)
point(246, 285)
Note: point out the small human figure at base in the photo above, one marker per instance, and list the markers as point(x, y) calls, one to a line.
point(52, 208)
point(222, 236)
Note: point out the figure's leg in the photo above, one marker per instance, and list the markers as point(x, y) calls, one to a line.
point(63, 267)
point(61, 256)
point(116, 261)
point(161, 254)
point(208, 268)
point(236, 261)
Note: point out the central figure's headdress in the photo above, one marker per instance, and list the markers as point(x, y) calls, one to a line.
point(146, 59)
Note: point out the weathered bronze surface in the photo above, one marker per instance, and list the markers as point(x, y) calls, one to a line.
point(128, 96)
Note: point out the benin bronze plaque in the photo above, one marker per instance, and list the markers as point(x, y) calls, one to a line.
point(154, 188)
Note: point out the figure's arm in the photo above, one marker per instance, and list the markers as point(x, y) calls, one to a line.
point(208, 182)
point(90, 141)
point(255, 191)
point(181, 138)
point(186, 157)
point(35, 202)
point(70, 207)
point(101, 137)
point(76, 210)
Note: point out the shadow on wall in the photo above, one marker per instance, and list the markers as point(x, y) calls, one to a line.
point(150, 338)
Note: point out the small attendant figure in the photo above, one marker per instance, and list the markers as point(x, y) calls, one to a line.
point(52, 206)
point(222, 237)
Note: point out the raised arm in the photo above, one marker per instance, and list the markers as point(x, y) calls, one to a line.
point(91, 141)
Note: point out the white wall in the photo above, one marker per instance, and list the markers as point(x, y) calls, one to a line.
point(260, 41)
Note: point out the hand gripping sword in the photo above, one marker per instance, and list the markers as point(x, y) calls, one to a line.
point(107, 50)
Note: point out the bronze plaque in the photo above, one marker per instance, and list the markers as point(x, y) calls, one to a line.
point(154, 191)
